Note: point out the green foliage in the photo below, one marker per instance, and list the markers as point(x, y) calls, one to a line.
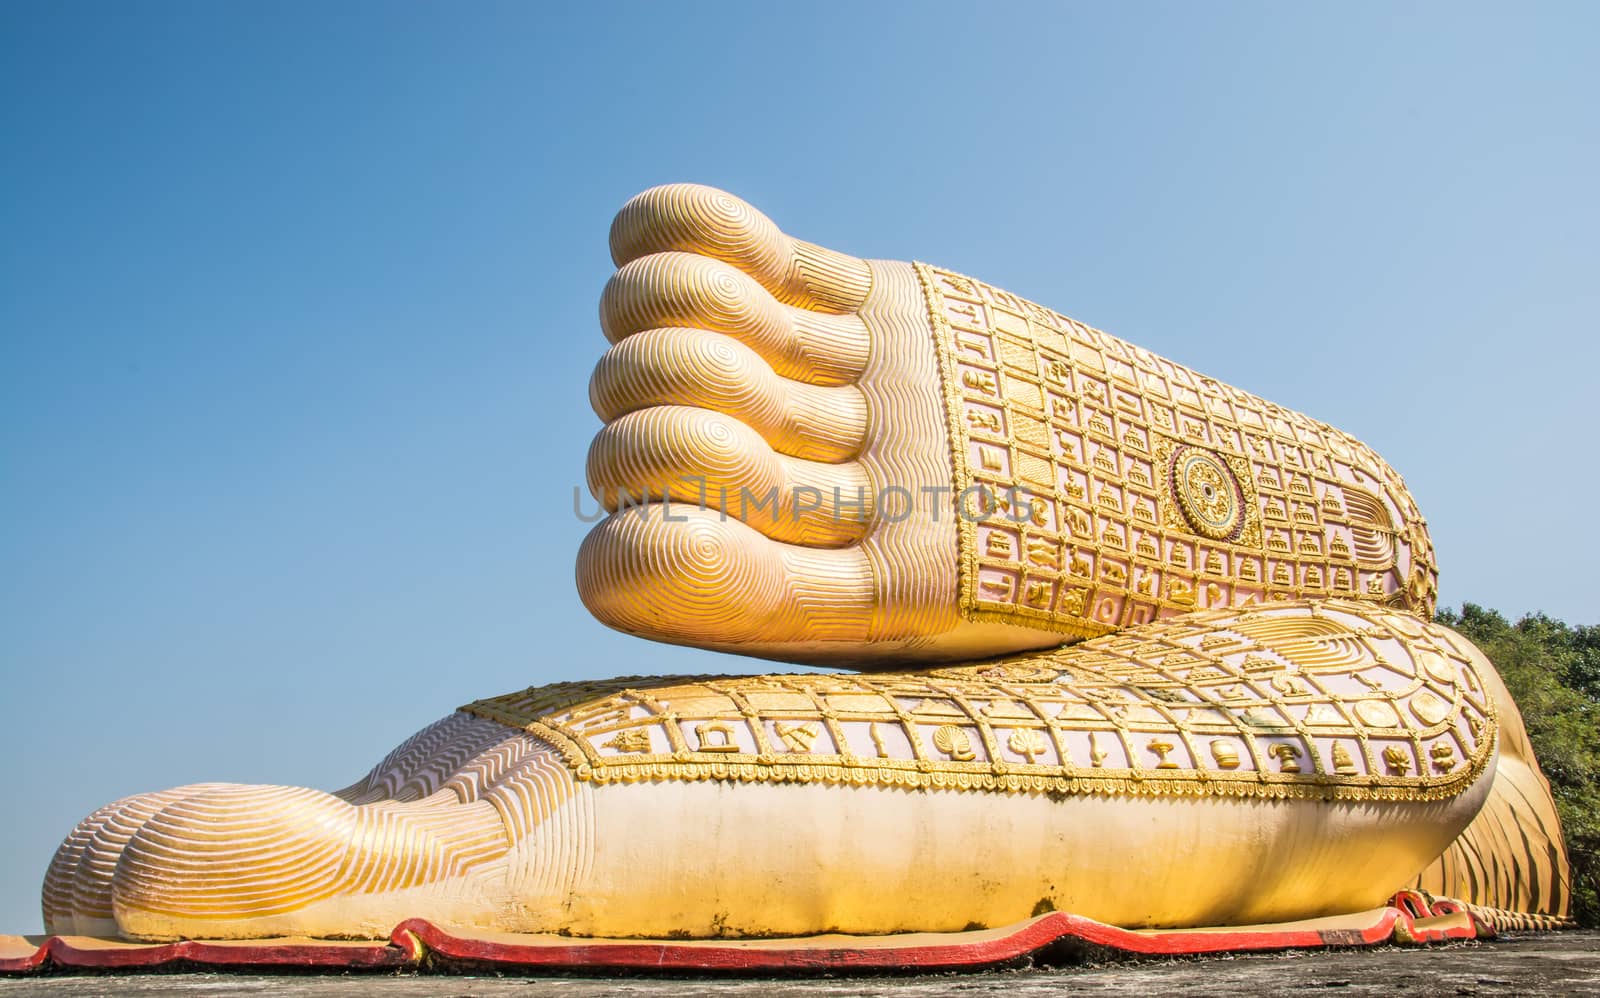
point(1553, 672)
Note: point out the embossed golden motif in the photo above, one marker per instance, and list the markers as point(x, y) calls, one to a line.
point(1397, 760)
point(1224, 753)
point(1028, 743)
point(714, 736)
point(1343, 763)
point(1209, 497)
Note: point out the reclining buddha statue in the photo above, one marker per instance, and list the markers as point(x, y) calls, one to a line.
point(1109, 637)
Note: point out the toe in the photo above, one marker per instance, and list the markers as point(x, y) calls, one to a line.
point(679, 289)
point(78, 895)
point(693, 367)
point(718, 583)
point(693, 218)
point(717, 462)
point(60, 914)
point(268, 849)
point(244, 861)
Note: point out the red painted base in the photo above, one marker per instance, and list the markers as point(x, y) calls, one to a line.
point(1409, 919)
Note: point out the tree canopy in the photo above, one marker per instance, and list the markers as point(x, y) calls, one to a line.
point(1553, 672)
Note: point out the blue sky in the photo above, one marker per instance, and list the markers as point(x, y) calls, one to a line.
point(297, 309)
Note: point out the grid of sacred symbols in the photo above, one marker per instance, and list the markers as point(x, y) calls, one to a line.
point(1278, 692)
point(1085, 423)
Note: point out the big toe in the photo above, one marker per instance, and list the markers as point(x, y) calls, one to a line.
point(689, 575)
point(694, 218)
point(230, 852)
point(249, 861)
point(77, 886)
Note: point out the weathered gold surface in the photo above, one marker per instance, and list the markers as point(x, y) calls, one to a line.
point(1334, 700)
point(816, 458)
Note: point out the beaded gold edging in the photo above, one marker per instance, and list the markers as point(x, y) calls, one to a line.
point(1191, 707)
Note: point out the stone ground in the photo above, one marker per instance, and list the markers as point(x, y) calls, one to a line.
point(1555, 963)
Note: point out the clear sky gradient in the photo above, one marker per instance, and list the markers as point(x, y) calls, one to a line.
point(297, 310)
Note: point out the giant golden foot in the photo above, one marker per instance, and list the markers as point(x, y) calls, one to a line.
point(813, 457)
point(829, 432)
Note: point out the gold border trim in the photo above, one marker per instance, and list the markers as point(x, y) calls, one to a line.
point(1006, 777)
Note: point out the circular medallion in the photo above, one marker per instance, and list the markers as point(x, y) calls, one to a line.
point(1207, 493)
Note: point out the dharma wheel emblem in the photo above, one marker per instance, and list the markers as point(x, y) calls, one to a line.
point(1207, 493)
